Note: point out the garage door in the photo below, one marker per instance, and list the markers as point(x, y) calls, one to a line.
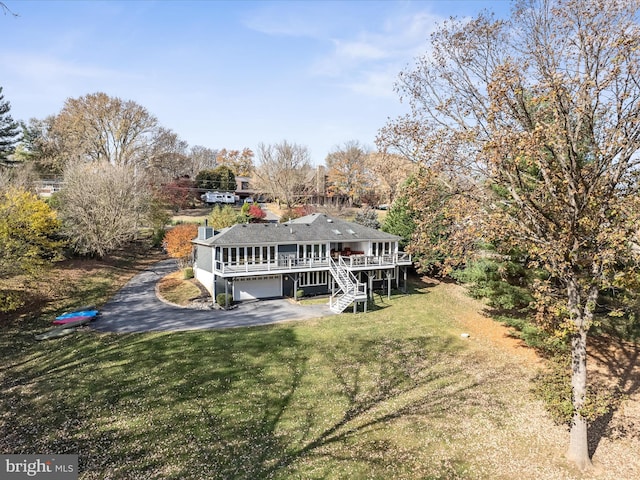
point(250, 288)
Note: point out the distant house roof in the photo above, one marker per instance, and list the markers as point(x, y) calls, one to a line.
point(310, 228)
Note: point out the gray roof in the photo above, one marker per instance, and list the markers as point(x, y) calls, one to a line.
point(311, 228)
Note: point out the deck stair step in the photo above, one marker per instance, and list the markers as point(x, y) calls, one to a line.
point(350, 289)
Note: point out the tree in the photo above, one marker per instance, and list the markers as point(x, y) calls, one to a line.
point(220, 178)
point(166, 157)
point(179, 194)
point(346, 171)
point(222, 217)
point(284, 172)
point(98, 127)
point(256, 214)
point(6, 10)
point(201, 158)
point(240, 162)
point(446, 220)
point(28, 238)
point(177, 242)
point(400, 220)
point(102, 206)
point(388, 172)
point(543, 112)
point(28, 232)
point(9, 131)
point(41, 148)
point(368, 217)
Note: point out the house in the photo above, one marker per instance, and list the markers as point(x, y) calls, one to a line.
point(243, 187)
point(315, 253)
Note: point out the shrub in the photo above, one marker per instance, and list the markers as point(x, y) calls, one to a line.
point(177, 241)
point(28, 233)
point(102, 206)
point(224, 299)
point(368, 217)
point(157, 237)
point(299, 293)
point(256, 213)
point(187, 273)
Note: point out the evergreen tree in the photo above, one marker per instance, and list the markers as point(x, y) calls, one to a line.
point(220, 178)
point(400, 220)
point(9, 131)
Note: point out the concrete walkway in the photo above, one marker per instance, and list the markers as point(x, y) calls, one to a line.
point(136, 308)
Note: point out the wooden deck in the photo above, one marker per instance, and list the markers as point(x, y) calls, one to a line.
point(292, 264)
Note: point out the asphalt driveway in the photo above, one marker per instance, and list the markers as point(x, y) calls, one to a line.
point(136, 308)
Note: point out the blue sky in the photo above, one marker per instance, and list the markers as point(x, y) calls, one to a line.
point(225, 74)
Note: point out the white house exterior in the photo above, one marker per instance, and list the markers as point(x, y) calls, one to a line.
point(316, 253)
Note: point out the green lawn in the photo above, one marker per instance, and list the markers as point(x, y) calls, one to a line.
point(392, 394)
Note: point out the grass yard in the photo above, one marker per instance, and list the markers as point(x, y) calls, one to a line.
point(175, 289)
point(393, 394)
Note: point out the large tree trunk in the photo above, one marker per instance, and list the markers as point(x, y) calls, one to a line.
point(578, 442)
point(578, 452)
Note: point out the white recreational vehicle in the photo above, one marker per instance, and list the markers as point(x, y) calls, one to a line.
point(211, 198)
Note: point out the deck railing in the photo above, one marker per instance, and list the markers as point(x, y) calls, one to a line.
point(291, 263)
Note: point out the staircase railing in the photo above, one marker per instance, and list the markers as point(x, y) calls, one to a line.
point(349, 287)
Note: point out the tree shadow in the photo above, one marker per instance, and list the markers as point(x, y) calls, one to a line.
point(620, 358)
point(223, 405)
point(375, 383)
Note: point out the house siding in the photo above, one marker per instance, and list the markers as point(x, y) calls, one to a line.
point(204, 258)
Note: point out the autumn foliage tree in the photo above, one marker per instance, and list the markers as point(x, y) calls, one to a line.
point(347, 171)
point(539, 116)
point(388, 172)
point(177, 242)
point(239, 161)
point(256, 214)
point(29, 239)
point(180, 193)
point(97, 127)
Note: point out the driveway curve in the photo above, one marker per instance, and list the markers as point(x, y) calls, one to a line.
point(136, 308)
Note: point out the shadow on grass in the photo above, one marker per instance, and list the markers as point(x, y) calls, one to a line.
point(374, 383)
point(251, 405)
point(622, 361)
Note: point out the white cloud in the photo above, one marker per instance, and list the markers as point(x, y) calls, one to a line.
point(368, 63)
point(295, 20)
point(39, 84)
point(49, 69)
point(360, 50)
point(374, 84)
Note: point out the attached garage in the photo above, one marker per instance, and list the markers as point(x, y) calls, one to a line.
point(250, 288)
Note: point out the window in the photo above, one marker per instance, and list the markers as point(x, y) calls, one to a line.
point(382, 248)
point(308, 279)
